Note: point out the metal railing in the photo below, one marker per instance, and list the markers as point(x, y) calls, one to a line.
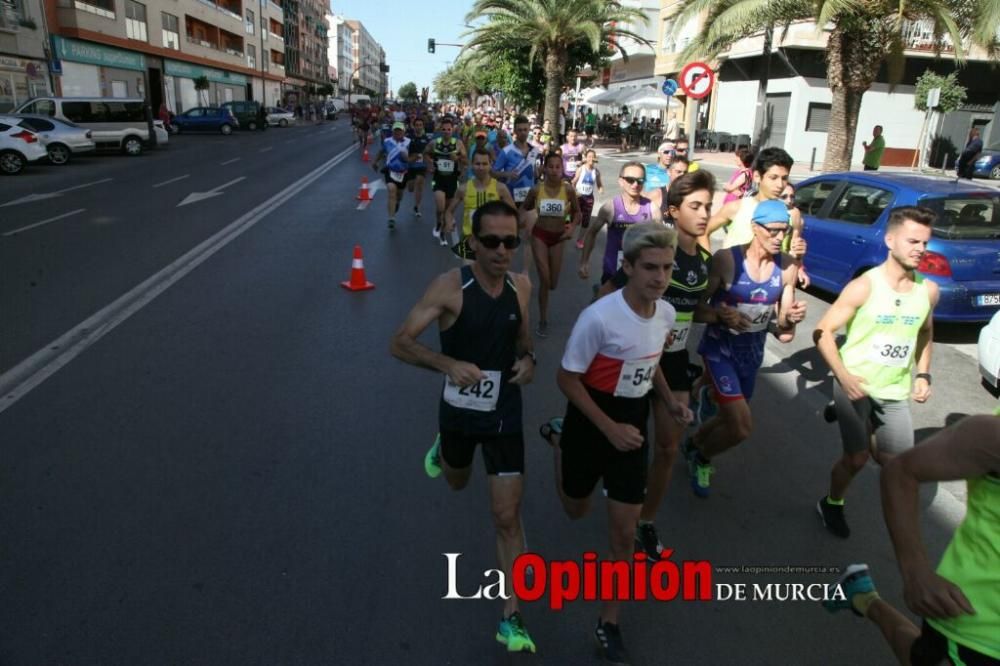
point(919, 36)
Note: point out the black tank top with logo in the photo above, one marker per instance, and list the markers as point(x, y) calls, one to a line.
point(484, 334)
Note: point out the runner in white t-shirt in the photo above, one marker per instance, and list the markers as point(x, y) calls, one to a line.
point(609, 370)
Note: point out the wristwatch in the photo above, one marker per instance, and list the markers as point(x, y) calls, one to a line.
point(532, 356)
point(924, 375)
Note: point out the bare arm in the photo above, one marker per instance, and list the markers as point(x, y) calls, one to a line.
point(524, 366)
point(622, 436)
point(790, 311)
point(600, 183)
point(921, 387)
point(969, 449)
point(719, 274)
point(835, 318)
point(717, 221)
point(736, 184)
point(604, 215)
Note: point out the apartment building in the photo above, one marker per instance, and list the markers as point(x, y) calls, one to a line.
point(306, 63)
point(340, 51)
point(122, 48)
point(640, 67)
point(796, 111)
point(368, 56)
point(24, 67)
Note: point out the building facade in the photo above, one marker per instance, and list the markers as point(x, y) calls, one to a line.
point(185, 53)
point(795, 109)
point(367, 56)
point(24, 62)
point(639, 69)
point(340, 51)
point(306, 63)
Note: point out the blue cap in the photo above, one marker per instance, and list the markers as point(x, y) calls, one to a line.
point(770, 211)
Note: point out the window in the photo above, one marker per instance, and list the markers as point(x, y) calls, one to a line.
point(42, 107)
point(861, 204)
point(811, 198)
point(37, 125)
point(171, 31)
point(975, 217)
point(135, 20)
point(251, 56)
point(119, 89)
point(263, 28)
point(250, 22)
point(105, 8)
point(818, 117)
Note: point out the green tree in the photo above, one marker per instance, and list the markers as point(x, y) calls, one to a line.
point(408, 92)
point(864, 36)
point(549, 30)
point(952, 92)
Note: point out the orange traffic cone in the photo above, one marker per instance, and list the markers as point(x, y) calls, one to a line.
point(364, 155)
point(364, 194)
point(358, 281)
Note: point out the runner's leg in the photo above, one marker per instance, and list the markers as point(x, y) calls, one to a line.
point(542, 269)
point(668, 435)
point(622, 518)
point(505, 504)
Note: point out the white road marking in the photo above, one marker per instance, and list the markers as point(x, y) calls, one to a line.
point(235, 159)
point(57, 193)
point(172, 180)
point(264, 150)
point(214, 192)
point(29, 373)
point(51, 219)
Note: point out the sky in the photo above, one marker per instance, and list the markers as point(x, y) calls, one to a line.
point(403, 34)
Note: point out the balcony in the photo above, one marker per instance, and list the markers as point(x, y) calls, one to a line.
point(9, 20)
point(919, 36)
point(230, 9)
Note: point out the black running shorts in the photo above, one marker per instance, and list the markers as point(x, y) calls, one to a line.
point(588, 456)
point(932, 647)
point(503, 453)
point(447, 185)
point(676, 368)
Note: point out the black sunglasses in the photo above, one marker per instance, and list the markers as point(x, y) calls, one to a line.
point(493, 242)
point(632, 180)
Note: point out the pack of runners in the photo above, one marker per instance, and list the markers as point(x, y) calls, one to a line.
point(630, 356)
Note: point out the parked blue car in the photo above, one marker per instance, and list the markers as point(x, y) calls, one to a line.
point(987, 164)
point(205, 119)
point(845, 216)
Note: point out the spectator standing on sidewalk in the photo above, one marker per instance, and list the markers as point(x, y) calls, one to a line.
point(874, 150)
point(967, 160)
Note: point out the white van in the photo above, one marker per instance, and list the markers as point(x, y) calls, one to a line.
point(115, 123)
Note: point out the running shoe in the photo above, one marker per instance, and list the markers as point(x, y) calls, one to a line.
point(512, 633)
point(856, 580)
point(392, 224)
point(432, 459)
point(543, 329)
point(647, 541)
point(699, 469)
point(436, 232)
point(832, 516)
point(609, 643)
point(416, 212)
point(443, 240)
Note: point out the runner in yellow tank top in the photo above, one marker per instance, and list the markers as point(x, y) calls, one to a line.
point(480, 189)
point(959, 602)
point(889, 331)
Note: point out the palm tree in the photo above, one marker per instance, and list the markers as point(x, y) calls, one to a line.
point(459, 81)
point(864, 35)
point(549, 29)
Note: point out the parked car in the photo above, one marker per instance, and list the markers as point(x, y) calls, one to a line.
point(987, 164)
point(279, 117)
point(989, 352)
point(18, 146)
point(61, 138)
point(115, 123)
point(845, 216)
point(206, 119)
point(247, 112)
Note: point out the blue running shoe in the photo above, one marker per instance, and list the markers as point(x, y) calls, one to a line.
point(855, 580)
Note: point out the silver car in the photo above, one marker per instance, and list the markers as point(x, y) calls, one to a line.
point(61, 138)
point(279, 117)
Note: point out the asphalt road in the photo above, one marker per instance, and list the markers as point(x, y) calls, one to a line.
point(232, 473)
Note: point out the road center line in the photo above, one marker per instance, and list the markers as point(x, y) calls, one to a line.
point(32, 371)
point(235, 159)
point(51, 219)
point(172, 180)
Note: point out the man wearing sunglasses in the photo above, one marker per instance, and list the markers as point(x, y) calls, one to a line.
point(486, 356)
point(626, 209)
point(682, 151)
point(747, 284)
point(656, 174)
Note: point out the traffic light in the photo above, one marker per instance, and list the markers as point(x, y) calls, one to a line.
point(430, 45)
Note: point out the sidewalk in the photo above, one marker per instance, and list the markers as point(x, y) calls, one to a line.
point(800, 170)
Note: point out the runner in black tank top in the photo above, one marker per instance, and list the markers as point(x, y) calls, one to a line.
point(485, 334)
point(482, 311)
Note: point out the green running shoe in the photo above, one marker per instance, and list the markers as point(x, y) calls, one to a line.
point(512, 633)
point(432, 459)
point(856, 580)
